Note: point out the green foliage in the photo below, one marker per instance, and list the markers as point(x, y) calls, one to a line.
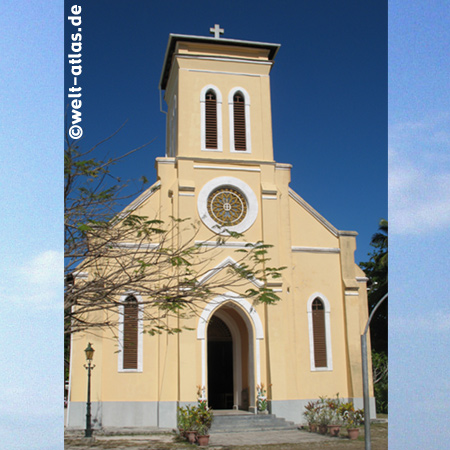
point(195, 418)
point(380, 379)
point(261, 397)
point(376, 270)
point(332, 411)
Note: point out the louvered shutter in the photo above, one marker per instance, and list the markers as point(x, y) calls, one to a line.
point(130, 334)
point(211, 120)
point(239, 122)
point(320, 347)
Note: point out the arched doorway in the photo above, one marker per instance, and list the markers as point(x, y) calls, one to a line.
point(220, 365)
point(230, 358)
point(246, 330)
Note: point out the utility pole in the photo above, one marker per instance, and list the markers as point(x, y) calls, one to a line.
point(365, 371)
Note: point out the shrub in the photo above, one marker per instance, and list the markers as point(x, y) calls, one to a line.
point(195, 418)
point(332, 411)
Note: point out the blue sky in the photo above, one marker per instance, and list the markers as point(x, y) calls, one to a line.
point(329, 120)
point(419, 215)
point(31, 228)
point(329, 92)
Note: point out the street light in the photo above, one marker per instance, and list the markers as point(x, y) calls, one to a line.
point(89, 356)
point(365, 372)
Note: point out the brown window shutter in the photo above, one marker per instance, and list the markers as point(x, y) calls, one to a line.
point(239, 122)
point(211, 120)
point(320, 346)
point(130, 334)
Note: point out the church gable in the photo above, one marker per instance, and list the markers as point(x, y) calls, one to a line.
point(147, 204)
point(309, 228)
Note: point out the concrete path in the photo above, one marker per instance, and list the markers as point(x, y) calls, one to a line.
point(136, 442)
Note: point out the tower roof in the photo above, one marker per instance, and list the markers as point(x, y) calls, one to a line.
point(174, 38)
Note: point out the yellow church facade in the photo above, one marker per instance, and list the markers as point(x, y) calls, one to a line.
point(219, 169)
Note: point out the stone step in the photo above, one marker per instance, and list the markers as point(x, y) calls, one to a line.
point(263, 423)
point(254, 422)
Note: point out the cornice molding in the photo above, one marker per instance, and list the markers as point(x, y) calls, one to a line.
point(313, 212)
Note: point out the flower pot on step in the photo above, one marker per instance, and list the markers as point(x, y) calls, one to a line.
point(203, 440)
point(353, 433)
point(334, 430)
point(192, 436)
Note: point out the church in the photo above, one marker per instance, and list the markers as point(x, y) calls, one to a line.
point(219, 169)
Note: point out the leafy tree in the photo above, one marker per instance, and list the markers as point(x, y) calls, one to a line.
point(108, 253)
point(376, 270)
point(380, 380)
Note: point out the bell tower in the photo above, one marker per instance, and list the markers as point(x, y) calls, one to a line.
point(217, 92)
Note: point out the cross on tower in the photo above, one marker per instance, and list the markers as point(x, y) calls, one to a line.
point(217, 31)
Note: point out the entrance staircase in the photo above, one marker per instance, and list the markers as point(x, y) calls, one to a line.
point(233, 421)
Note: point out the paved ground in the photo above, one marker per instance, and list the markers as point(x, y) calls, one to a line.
point(75, 441)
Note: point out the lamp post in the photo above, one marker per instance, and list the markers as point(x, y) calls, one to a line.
point(365, 372)
point(89, 356)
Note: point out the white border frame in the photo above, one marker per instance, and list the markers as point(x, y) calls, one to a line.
point(248, 140)
point(244, 188)
point(203, 119)
point(140, 332)
point(326, 304)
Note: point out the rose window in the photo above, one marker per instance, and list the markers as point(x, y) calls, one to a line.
point(227, 206)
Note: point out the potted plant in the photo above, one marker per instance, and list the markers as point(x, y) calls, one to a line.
point(335, 424)
point(204, 418)
point(188, 422)
point(353, 419)
point(202, 435)
point(311, 413)
point(323, 416)
point(335, 416)
point(182, 421)
point(261, 399)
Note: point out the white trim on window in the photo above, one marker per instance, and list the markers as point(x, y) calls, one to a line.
point(248, 142)
point(203, 118)
point(326, 305)
point(140, 331)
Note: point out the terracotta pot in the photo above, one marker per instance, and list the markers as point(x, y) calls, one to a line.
point(192, 436)
point(334, 430)
point(353, 433)
point(323, 429)
point(313, 427)
point(203, 440)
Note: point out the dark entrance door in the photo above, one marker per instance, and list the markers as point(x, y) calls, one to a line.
point(220, 365)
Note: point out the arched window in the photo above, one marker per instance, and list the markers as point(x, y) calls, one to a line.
point(320, 346)
point(319, 332)
point(239, 122)
point(130, 334)
point(211, 119)
point(239, 107)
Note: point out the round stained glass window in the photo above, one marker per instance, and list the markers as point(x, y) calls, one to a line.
point(227, 206)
